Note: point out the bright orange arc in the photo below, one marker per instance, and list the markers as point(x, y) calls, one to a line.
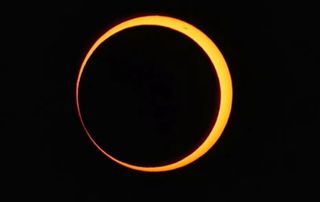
point(218, 62)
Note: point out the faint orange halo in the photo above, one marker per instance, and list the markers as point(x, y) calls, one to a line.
point(218, 62)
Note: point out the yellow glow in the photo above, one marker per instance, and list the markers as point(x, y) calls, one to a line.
point(218, 62)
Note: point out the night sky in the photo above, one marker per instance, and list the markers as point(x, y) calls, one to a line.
point(149, 96)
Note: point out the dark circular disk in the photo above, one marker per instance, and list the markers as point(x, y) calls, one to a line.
point(149, 95)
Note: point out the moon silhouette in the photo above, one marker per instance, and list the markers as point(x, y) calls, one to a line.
point(218, 63)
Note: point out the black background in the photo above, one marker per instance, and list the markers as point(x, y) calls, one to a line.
point(265, 152)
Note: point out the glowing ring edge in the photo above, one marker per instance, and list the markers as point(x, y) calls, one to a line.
point(218, 62)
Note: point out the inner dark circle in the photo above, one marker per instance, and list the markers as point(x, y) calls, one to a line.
point(149, 96)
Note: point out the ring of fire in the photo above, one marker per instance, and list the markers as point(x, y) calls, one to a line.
point(218, 63)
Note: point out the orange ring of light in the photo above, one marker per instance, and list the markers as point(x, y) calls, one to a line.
point(218, 62)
